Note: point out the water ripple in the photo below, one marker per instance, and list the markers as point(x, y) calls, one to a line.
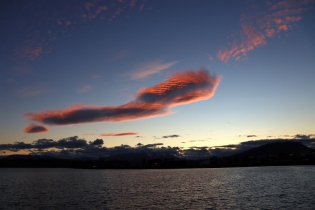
point(290, 187)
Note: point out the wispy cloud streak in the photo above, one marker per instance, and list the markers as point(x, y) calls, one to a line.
point(148, 69)
point(113, 134)
point(120, 134)
point(171, 136)
point(182, 88)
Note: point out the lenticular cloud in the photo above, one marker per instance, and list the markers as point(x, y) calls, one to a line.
point(35, 129)
point(181, 88)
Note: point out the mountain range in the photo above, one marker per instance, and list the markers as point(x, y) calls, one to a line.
point(276, 148)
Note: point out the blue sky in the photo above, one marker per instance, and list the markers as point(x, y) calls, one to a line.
point(201, 73)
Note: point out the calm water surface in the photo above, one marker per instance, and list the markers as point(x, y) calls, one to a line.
point(289, 187)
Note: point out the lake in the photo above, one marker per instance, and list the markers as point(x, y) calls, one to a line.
point(278, 187)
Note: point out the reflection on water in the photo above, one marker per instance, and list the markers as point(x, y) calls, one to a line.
point(290, 187)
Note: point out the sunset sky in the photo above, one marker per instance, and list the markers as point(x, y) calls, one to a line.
point(188, 74)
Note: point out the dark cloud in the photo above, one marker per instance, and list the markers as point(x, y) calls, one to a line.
point(74, 147)
point(119, 134)
point(97, 142)
point(17, 146)
point(248, 136)
point(46, 143)
point(182, 88)
point(302, 136)
point(153, 145)
point(196, 140)
point(285, 136)
point(35, 129)
point(298, 136)
point(251, 136)
point(171, 136)
point(70, 142)
point(197, 152)
point(243, 146)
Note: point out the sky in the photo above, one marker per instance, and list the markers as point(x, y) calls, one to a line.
point(189, 76)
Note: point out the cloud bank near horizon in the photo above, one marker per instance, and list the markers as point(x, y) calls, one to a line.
point(75, 147)
point(181, 88)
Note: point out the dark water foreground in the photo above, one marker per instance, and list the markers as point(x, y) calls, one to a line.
point(277, 187)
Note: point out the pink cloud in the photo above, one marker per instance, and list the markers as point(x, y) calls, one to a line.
point(94, 10)
point(182, 88)
point(88, 5)
point(251, 40)
point(110, 11)
point(35, 129)
point(259, 25)
point(141, 7)
point(36, 44)
point(132, 3)
point(30, 51)
point(118, 11)
point(210, 57)
point(39, 36)
point(97, 12)
point(280, 5)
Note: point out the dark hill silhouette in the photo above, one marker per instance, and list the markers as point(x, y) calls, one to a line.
point(277, 153)
point(275, 149)
point(28, 157)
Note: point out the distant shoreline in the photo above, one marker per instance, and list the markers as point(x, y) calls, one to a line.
point(76, 164)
